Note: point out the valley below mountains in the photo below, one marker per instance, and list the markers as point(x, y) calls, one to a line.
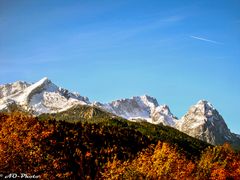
point(202, 121)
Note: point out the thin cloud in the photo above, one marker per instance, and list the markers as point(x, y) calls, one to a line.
point(206, 40)
point(149, 25)
point(106, 35)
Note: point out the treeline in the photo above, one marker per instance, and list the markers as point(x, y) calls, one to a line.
point(163, 161)
point(105, 150)
point(190, 146)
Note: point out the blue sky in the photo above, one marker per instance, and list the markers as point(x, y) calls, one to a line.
point(177, 51)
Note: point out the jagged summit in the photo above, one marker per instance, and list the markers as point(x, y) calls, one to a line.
point(41, 97)
point(43, 80)
point(162, 114)
point(165, 109)
point(12, 88)
point(140, 108)
point(204, 122)
point(149, 100)
point(205, 106)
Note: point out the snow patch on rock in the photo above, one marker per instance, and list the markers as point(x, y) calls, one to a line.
point(42, 97)
point(140, 108)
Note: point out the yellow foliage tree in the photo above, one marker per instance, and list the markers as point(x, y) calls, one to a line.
point(20, 135)
point(160, 162)
point(220, 162)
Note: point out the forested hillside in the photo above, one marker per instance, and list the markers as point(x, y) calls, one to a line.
point(91, 114)
point(107, 149)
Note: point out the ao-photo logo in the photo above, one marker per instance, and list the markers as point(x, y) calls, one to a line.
point(21, 175)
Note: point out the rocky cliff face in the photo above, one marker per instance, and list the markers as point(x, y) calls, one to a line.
point(204, 122)
point(162, 114)
point(140, 108)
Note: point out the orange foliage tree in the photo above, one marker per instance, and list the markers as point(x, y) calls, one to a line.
point(20, 149)
point(89, 151)
point(220, 162)
point(165, 162)
point(160, 162)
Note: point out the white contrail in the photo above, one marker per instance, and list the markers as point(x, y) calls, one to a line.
point(206, 40)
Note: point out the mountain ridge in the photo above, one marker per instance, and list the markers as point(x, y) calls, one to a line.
point(43, 97)
point(139, 108)
point(202, 121)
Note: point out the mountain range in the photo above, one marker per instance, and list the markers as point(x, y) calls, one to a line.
point(202, 121)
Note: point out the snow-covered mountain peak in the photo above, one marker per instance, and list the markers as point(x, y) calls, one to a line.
point(18, 83)
point(203, 107)
point(44, 84)
point(164, 109)
point(202, 112)
point(12, 88)
point(149, 101)
point(204, 122)
point(44, 80)
point(142, 101)
point(162, 114)
point(206, 104)
point(36, 88)
point(140, 108)
point(43, 97)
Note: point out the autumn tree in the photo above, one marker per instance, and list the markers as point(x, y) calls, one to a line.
point(21, 150)
point(157, 162)
point(220, 162)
